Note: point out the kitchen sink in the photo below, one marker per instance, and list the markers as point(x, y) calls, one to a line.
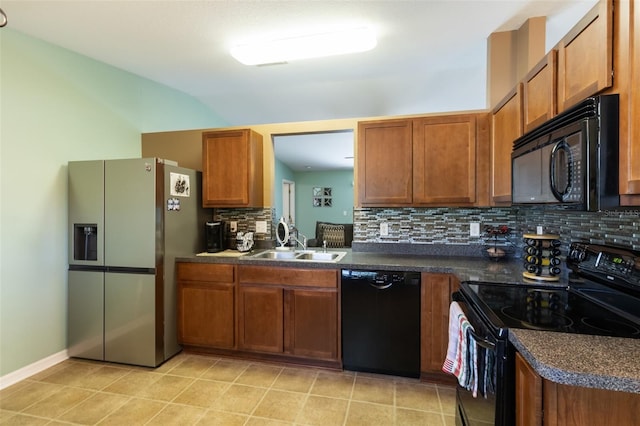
point(301, 256)
point(275, 255)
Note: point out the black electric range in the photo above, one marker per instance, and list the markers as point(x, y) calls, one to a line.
point(584, 307)
point(602, 297)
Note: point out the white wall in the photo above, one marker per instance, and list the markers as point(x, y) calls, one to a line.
point(57, 106)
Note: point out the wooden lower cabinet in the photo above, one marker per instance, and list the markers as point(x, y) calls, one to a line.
point(312, 320)
point(289, 311)
point(543, 402)
point(528, 394)
point(260, 318)
point(206, 301)
point(436, 299)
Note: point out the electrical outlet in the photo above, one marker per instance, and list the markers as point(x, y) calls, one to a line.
point(474, 229)
point(384, 229)
point(233, 226)
point(261, 226)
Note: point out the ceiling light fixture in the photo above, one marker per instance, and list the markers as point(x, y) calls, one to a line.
point(305, 46)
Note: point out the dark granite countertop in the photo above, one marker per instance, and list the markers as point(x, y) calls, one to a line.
point(581, 360)
point(572, 359)
point(465, 268)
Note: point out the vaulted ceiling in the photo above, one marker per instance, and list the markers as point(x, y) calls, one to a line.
point(431, 54)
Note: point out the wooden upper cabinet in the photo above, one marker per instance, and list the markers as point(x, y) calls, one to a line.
point(444, 160)
point(585, 57)
point(506, 127)
point(384, 163)
point(437, 161)
point(540, 92)
point(232, 169)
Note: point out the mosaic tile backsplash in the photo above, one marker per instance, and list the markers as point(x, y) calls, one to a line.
point(449, 227)
point(445, 231)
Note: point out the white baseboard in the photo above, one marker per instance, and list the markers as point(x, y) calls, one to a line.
point(31, 369)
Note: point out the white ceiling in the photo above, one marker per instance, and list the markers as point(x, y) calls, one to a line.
point(431, 54)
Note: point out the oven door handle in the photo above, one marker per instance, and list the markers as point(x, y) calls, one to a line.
point(481, 341)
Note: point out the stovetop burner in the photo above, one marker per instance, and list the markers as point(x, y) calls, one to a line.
point(610, 326)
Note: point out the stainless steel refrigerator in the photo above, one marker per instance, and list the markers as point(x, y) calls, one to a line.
point(128, 220)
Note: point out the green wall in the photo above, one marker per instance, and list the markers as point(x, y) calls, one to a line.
point(57, 106)
point(341, 210)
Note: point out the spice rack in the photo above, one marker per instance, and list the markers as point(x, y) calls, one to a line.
point(542, 257)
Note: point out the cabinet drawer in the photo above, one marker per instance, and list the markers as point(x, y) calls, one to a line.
point(288, 276)
point(221, 273)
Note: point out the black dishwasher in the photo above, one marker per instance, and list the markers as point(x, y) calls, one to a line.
point(381, 322)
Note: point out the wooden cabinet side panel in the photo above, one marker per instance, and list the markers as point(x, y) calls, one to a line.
point(540, 92)
point(311, 323)
point(630, 147)
point(528, 394)
point(384, 162)
point(578, 406)
point(255, 170)
point(436, 298)
point(260, 318)
point(585, 58)
point(506, 127)
point(444, 160)
point(483, 167)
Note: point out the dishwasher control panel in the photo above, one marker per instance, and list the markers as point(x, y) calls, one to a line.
point(382, 277)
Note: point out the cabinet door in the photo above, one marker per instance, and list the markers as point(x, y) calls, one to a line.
point(206, 305)
point(260, 318)
point(540, 92)
point(232, 170)
point(506, 127)
point(528, 394)
point(311, 323)
point(206, 314)
point(585, 58)
point(444, 160)
point(436, 298)
point(384, 163)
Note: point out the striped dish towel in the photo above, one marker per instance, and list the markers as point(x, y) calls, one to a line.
point(457, 360)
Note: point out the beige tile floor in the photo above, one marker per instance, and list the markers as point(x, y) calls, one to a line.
point(193, 389)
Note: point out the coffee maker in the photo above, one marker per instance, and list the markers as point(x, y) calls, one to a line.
point(216, 236)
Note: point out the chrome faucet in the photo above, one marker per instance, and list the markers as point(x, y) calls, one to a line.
point(295, 236)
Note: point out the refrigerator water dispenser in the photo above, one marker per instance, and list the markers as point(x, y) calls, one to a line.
point(85, 241)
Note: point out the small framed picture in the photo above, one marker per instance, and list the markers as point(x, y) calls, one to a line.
point(321, 196)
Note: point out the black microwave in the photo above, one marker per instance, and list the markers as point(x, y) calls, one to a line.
point(571, 160)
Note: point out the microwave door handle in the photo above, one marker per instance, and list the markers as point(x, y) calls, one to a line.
point(564, 147)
